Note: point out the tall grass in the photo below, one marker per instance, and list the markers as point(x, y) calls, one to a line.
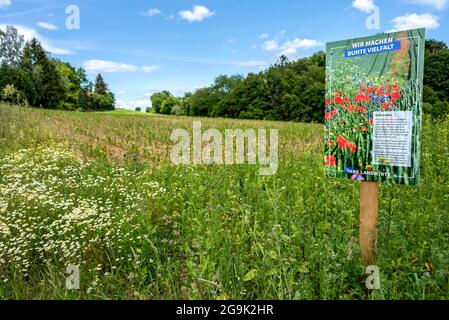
point(205, 232)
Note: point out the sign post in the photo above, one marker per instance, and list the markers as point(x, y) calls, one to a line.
point(374, 89)
point(369, 194)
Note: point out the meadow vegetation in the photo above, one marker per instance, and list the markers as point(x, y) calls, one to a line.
point(97, 191)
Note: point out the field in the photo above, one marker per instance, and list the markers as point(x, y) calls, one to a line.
point(97, 191)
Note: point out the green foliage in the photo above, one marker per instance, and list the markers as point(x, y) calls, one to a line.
point(148, 110)
point(434, 46)
point(200, 102)
point(158, 99)
point(140, 228)
point(436, 73)
point(104, 102)
point(427, 108)
point(11, 45)
point(293, 90)
point(47, 82)
point(169, 105)
point(101, 87)
point(440, 110)
point(11, 95)
point(72, 84)
point(138, 109)
point(47, 87)
point(286, 91)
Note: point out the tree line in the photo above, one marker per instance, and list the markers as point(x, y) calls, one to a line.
point(292, 91)
point(29, 76)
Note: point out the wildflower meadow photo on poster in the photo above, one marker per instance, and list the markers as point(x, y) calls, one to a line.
point(374, 107)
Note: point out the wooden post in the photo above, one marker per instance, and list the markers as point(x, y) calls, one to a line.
point(369, 193)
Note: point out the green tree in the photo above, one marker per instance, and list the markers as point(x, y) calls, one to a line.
point(11, 95)
point(440, 110)
point(105, 102)
point(72, 84)
point(101, 87)
point(84, 100)
point(201, 101)
point(11, 46)
point(158, 99)
point(17, 77)
point(48, 87)
point(436, 74)
point(312, 99)
point(169, 105)
point(434, 46)
point(429, 95)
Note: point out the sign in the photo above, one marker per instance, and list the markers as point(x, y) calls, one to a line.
point(374, 107)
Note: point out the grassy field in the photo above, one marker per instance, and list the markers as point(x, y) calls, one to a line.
point(97, 191)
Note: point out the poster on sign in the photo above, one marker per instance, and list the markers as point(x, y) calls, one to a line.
point(373, 110)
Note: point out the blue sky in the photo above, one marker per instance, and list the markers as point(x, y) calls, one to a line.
point(144, 46)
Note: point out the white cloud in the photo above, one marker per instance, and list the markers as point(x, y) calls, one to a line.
point(414, 21)
point(102, 66)
point(264, 36)
point(270, 45)
point(29, 34)
point(151, 12)
point(290, 48)
point(132, 104)
point(199, 13)
point(250, 64)
point(47, 26)
point(150, 69)
point(437, 4)
point(4, 4)
point(366, 6)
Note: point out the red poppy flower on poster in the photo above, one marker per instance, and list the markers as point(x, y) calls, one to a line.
point(396, 95)
point(330, 161)
point(379, 91)
point(339, 100)
point(342, 142)
point(330, 115)
point(361, 98)
point(345, 144)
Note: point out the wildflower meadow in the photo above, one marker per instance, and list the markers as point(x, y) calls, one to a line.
point(97, 193)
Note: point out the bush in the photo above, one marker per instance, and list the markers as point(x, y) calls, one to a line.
point(103, 102)
point(427, 108)
point(139, 109)
point(440, 110)
point(11, 95)
point(169, 104)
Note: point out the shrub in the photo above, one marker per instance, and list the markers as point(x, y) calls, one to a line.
point(103, 102)
point(440, 109)
point(11, 95)
point(427, 108)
